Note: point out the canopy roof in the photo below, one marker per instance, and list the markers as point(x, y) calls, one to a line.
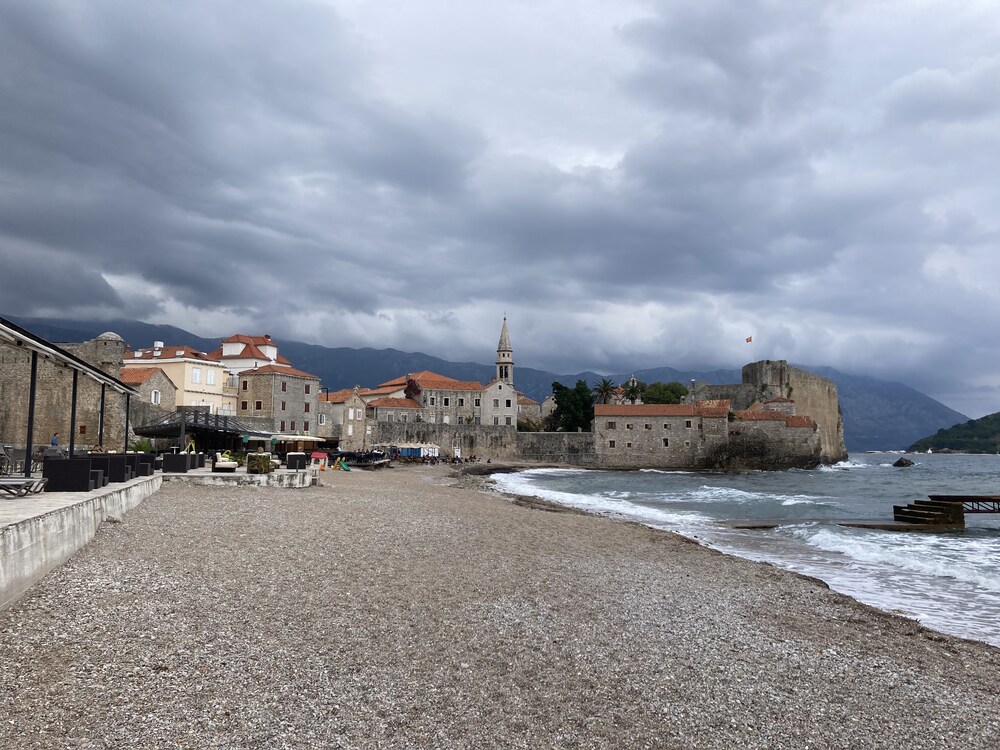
point(169, 425)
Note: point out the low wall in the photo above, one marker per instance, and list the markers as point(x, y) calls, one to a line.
point(292, 479)
point(31, 548)
point(572, 448)
point(485, 441)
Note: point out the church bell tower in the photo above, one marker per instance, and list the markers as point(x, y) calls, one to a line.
point(505, 357)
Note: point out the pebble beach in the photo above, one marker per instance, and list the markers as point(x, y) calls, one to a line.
point(413, 608)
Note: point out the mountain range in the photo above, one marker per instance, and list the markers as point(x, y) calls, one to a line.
point(878, 414)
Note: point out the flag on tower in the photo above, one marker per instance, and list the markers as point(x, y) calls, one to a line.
point(749, 339)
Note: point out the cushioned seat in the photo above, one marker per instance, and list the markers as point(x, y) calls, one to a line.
point(220, 463)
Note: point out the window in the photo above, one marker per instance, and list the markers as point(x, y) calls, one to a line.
point(647, 427)
point(195, 374)
point(477, 421)
point(461, 419)
point(210, 376)
point(499, 387)
point(350, 430)
point(666, 442)
point(293, 426)
point(612, 425)
point(687, 443)
point(628, 445)
point(446, 419)
point(305, 425)
point(402, 418)
point(432, 418)
point(306, 410)
point(507, 403)
point(611, 443)
point(282, 428)
point(308, 385)
point(628, 425)
point(446, 401)
point(432, 400)
point(322, 419)
point(154, 397)
point(244, 405)
point(666, 425)
point(283, 406)
point(246, 385)
point(83, 429)
point(507, 420)
point(496, 421)
point(496, 403)
point(258, 405)
point(461, 402)
point(284, 386)
point(477, 402)
point(687, 423)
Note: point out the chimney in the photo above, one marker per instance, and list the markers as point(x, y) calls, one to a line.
point(157, 348)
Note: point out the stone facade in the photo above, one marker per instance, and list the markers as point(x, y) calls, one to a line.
point(157, 394)
point(287, 397)
point(669, 436)
point(53, 399)
point(813, 396)
point(342, 420)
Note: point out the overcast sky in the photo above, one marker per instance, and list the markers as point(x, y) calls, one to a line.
point(635, 184)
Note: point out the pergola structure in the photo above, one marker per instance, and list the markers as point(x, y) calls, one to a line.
point(15, 336)
point(193, 421)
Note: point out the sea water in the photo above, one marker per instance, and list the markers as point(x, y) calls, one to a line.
point(948, 581)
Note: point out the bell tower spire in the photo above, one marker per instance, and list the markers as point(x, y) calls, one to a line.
point(505, 356)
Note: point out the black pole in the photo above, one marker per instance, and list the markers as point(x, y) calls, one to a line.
point(183, 427)
point(128, 405)
point(72, 414)
point(100, 424)
point(29, 438)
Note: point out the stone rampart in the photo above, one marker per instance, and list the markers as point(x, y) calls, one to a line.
point(571, 448)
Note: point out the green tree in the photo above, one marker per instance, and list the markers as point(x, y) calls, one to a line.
point(574, 407)
point(664, 393)
point(604, 391)
point(634, 390)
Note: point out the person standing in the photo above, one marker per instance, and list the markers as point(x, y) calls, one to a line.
point(54, 442)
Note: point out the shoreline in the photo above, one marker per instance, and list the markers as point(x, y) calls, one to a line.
point(410, 608)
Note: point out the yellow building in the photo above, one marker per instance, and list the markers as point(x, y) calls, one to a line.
point(199, 380)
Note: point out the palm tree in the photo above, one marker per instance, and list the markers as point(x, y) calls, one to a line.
point(604, 391)
point(633, 390)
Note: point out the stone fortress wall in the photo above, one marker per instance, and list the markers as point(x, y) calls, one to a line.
point(55, 392)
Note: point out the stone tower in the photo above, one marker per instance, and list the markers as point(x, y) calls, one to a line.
point(505, 357)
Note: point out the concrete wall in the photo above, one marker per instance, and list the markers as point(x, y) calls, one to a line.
point(32, 548)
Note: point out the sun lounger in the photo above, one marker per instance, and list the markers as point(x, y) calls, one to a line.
point(22, 487)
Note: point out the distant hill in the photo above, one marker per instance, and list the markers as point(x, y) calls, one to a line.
point(974, 436)
point(878, 414)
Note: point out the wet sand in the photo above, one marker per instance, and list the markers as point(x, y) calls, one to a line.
point(408, 608)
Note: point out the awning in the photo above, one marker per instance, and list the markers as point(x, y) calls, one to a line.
point(297, 439)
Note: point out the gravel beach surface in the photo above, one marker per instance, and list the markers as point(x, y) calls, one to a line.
point(405, 608)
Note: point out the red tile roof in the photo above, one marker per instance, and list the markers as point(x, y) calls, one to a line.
point(428, 380)
point(137, 375)
point(715, 408)
point(399, 403)
point(251, 348)
point(280, 370)
point(337, 397)
point(167, 352)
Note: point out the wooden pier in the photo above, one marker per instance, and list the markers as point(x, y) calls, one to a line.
point(945, 510)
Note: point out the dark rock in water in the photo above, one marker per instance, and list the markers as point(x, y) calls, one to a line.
point(903, 462)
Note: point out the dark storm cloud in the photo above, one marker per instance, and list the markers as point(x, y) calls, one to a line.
point(638, 184)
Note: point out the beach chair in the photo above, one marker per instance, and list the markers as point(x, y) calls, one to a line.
point(22, 487)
